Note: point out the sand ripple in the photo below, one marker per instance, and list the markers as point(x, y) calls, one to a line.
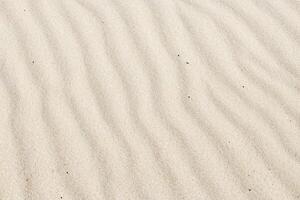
point(172, 99)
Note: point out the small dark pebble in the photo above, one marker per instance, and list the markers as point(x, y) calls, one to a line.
point(243, 86)
point(249, 190)
point(60, 197)
point(189, 97)
point(33, 62)
point(187, 63)
point(67, 172)
point(178, 55)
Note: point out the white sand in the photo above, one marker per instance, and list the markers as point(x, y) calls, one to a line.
point(149, 99)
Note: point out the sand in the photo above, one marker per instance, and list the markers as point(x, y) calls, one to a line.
point(149, 99)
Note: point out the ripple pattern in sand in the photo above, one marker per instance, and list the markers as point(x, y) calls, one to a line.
point(172, 99)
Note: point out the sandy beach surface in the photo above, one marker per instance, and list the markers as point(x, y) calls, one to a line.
point(149, 99)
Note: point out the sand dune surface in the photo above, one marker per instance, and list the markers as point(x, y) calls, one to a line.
point(150, 99)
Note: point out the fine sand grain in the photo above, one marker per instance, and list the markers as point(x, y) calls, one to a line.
point(150, 99)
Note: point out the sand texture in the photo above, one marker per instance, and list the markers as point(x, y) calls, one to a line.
point(149, 99)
